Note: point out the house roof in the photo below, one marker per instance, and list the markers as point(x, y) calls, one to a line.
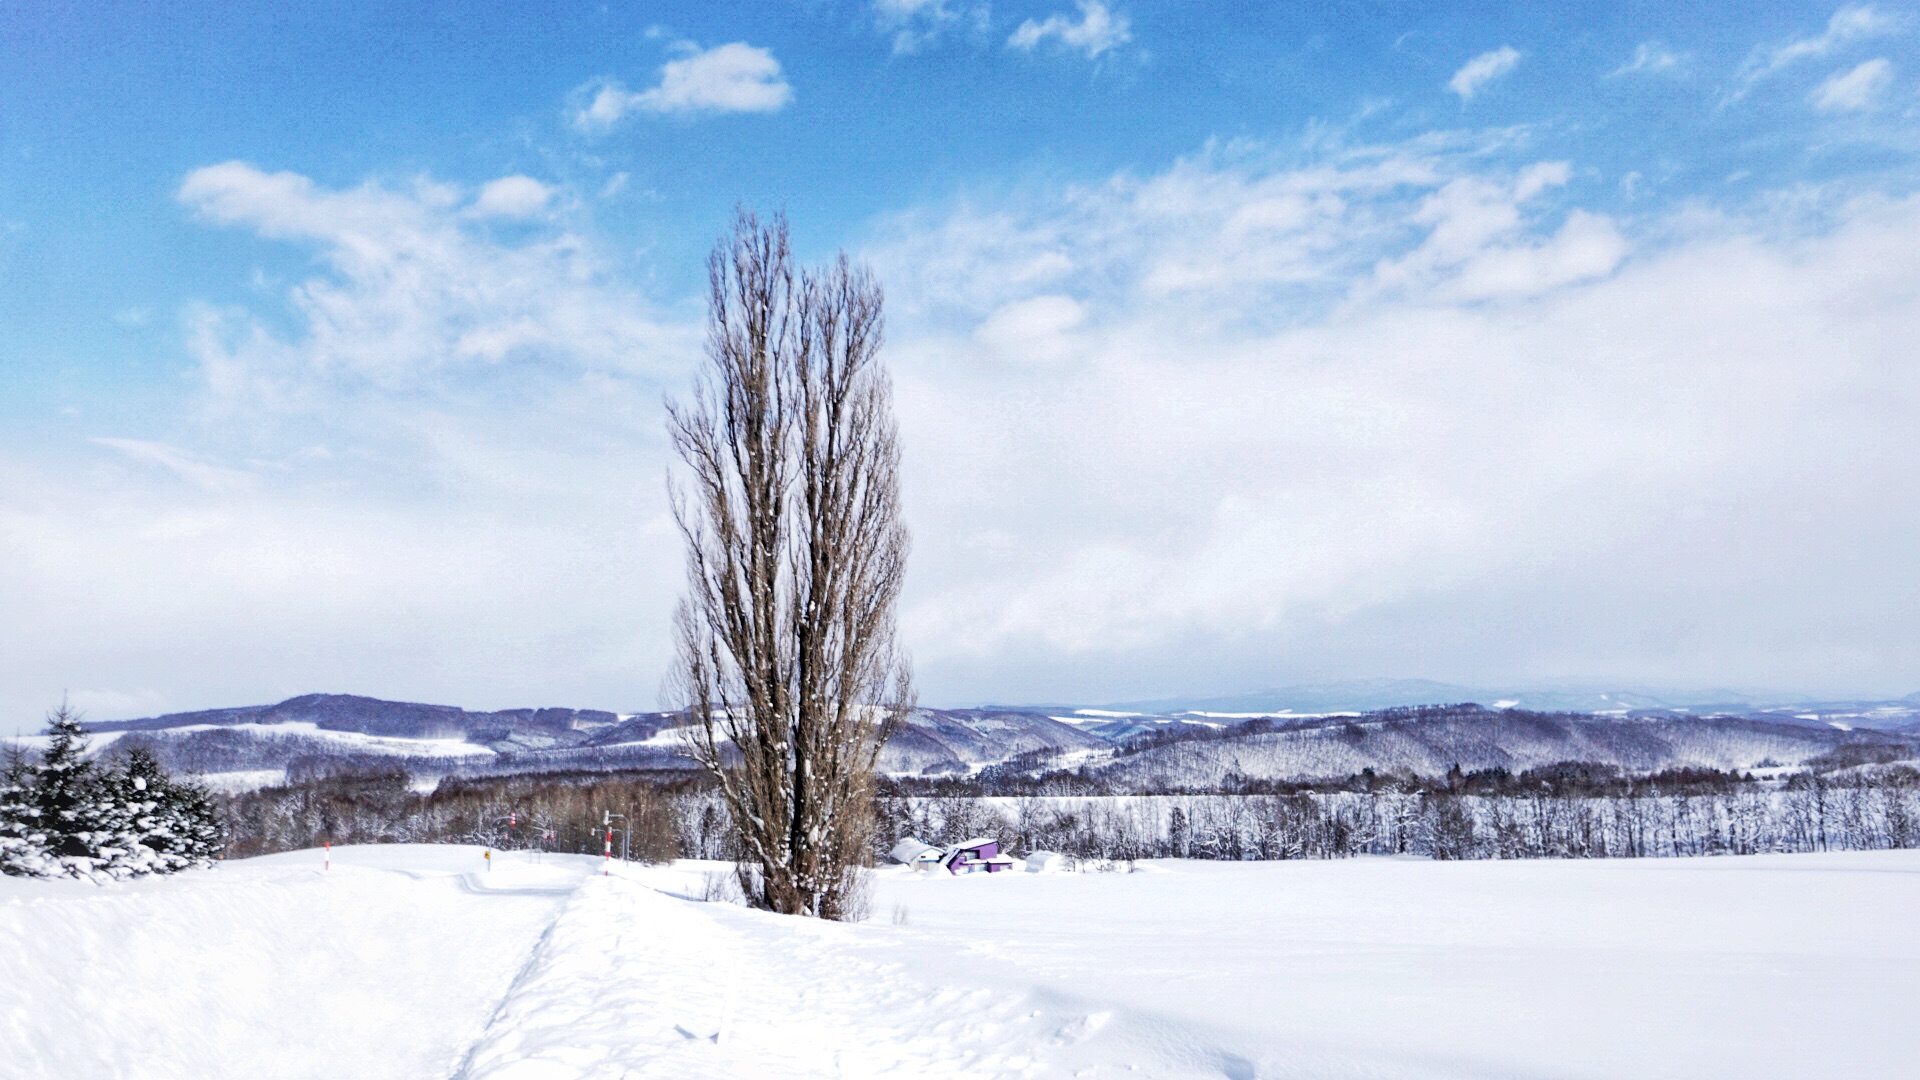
point(911, 850)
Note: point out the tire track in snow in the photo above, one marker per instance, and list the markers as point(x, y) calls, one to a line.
point(610, 990)
point(632, 982)
point(520, 977)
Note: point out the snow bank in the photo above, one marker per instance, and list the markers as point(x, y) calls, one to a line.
point(636, 981)
point(386, 966)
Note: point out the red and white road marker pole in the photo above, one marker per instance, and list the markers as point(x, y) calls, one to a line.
point(328, 865)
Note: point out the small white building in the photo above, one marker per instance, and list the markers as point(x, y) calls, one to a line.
point(916, 853)
point(1046, 862)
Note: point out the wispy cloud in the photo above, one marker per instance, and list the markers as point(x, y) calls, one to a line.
point(512, 197)
point(1099, 29)
point(918, 24)
point(731, 78)
point(428, 470)
point(1854, 90)
point(1429, 374)
point(1850, 24)
point(1650, 58)
point(1481, 70)
point(414, 288)
point(193, 468)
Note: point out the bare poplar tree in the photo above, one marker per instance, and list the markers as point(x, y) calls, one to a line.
point(789, 503)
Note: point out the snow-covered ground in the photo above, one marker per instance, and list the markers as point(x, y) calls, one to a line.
point(353, 741)
point(415, 962)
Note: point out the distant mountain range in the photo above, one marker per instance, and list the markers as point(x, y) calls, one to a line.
point(317, 732)
point(1322, 730)
point(1428, 742)
point(1367, 695)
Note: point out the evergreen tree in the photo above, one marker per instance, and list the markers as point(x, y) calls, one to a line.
point(23, 844)
point(65, 794)
point(130, 802)
point(174, 820)
point(199, 836)
point(66, 816)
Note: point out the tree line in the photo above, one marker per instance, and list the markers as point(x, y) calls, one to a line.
point(1810, 812)
point(559, 812)
point(1572, 811)
point(1586, 778)
point(64, 815)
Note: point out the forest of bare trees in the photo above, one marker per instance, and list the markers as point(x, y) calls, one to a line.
point(676, 815)
point(1808, 813)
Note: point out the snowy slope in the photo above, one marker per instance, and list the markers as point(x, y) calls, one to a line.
point(952, 740)
point(406, 962)
point(386, 966)
point(435, 739)
point(1487, 739)
point(1368, 695)
point(300, 736)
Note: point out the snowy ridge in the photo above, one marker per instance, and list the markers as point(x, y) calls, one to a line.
point(1372, 695)
point(260, 744)
point(1429, 744)
point(352, 741)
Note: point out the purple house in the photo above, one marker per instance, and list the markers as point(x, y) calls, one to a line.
point(974, 856)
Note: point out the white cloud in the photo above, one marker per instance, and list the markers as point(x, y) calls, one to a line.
point(1854, 90)
point(1476, 73)
point(512, 197)
point(430, 471)
point(1649, 58)
point(1250, 418)
point(1479, 245)
point(918, 24)
point(412, 292)
point(1850, 24)
point(188, 466)
point(1542, 450)
point(1099, 30)
point(735, 77)
point(1036, 329)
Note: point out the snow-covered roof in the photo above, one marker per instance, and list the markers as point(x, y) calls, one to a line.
point(978, 841)
point(910, 850)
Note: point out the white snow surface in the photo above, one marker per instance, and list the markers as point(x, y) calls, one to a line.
point(412, 961)
point(96, 741)
point(233, 783)
point(404, 746)
point(398, 745)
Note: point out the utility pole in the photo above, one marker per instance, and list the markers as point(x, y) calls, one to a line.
point(606, 818)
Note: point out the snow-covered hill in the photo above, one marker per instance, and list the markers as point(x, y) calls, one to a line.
point(315, 732)
point(321, 732)
point(407, 962)
point(937, 741)
point(1372, 695)
point(1429, 742)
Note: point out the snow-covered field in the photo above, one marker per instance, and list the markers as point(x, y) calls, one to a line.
point(413, 962)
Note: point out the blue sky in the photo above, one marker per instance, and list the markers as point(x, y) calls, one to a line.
point(1236, 347)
